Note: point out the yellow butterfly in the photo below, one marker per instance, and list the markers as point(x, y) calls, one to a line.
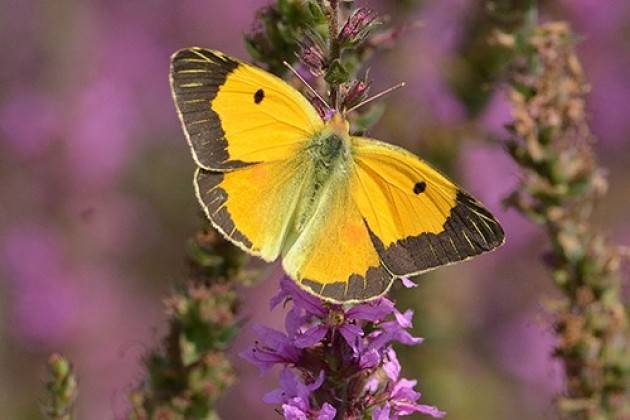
point(347, 214)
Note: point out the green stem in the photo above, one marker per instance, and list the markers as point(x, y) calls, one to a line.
point(335, 48)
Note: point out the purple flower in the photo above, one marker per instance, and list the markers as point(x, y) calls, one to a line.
point(275, 347)
point(294, 396)
point(291, 387)
point(330, 350)
point(402, 398)
point(321, 318)
point(395, 330)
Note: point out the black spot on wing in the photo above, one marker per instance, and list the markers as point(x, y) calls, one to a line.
point(420, 187)
point(197, 74)
point(469, 230)
point(259, 96)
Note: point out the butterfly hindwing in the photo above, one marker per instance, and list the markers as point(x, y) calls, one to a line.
point(235, 114)
point(245, 127)
point(252, 206)
point(418, 219)
point(333, 256)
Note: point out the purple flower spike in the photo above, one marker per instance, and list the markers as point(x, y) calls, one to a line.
point(330, 350)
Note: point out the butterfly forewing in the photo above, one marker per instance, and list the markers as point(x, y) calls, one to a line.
point(418, 219)
point(235, 114)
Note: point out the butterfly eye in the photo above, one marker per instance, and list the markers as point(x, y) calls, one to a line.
point(419, 187)
point(259, 96)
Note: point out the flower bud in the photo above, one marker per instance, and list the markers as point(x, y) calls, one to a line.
point(313, 57)
point(356, 93)
point(357, 26)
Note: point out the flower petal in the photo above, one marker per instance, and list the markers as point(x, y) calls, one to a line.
point(293, 322)
point(293, 412)
point(403, 391)
point(277, 396)
point(406, 408)
point(391, 365)
point(318, 382)
point(369, 359)
point(381, 413)
point(311, 337)
point(408, 283)
point(404, 320)
point(372, 311)
point(351, 333)
point(327, 412)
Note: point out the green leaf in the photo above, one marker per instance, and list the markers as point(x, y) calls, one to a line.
point(337, 73)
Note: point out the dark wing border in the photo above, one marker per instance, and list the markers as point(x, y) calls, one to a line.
point(470, 230)
point(196, 76)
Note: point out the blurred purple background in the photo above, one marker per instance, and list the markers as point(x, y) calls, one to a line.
point(97, 201)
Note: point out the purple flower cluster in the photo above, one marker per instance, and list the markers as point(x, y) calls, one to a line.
point(338, 361)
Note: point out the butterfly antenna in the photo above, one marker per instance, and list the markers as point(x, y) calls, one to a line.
point(313, 91)
point(378, 95)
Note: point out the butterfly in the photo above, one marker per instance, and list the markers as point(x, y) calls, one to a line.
point(348, 215)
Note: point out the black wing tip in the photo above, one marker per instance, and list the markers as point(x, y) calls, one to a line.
point(475, 205)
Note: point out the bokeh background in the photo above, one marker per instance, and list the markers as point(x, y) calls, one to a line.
point(96, 199)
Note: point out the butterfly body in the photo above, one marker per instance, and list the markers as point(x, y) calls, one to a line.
point(346, 214)
point(324, 163)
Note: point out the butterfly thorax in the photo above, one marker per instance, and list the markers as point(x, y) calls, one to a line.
point(329, 149)
point(327, 159)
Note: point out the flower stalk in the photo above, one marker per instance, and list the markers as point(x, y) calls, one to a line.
point(561, 184)
point(190, 372)
point(335, 49)
point(62, 389)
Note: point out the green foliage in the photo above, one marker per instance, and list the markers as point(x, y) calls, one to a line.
point(279, 29)
point(191, 371)
point(62, 388)
point(561, 183)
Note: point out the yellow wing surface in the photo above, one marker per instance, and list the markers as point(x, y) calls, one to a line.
point(244, 126)
point(418, 219)
point(347, 214)
point(234, 114)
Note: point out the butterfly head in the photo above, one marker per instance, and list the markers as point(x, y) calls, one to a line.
point(338, 126)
